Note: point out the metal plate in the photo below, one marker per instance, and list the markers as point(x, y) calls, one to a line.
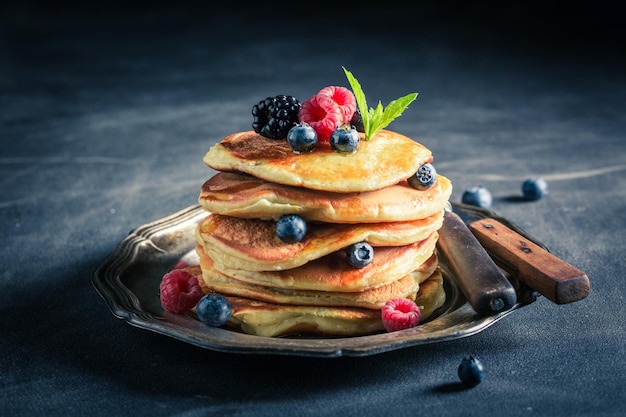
point(129, 282)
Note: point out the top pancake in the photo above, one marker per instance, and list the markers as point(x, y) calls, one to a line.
point(242, 195)
point(384, 160)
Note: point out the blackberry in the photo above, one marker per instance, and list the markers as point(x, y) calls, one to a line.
point(357, 121)
point(274, 116)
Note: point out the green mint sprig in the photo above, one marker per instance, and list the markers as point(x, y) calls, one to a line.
point(375, 119)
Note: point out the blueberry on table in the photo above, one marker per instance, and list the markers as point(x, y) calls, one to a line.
point(291, 228)
point(471, 371)
point(534, 188)
point(213, 309)
point(477, 196)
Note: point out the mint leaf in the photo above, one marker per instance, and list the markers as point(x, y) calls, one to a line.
point(360, 97)
point(380, 117)
point(394, 109)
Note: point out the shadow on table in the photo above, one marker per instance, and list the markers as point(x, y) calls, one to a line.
point(65, 324)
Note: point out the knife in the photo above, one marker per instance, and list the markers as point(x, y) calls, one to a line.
point(523, 258)
point(482, 282)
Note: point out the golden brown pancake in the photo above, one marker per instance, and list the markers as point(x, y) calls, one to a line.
point(242, 195)
point(252, 244)
point(375, 297)
point(271, 320)
point(333, 273)
point(431, 294)
point(384, 160)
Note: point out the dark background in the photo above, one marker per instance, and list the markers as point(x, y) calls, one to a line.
point(107, 108)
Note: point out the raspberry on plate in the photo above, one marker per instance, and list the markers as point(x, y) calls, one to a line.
point(179, 291)
point(400, 314)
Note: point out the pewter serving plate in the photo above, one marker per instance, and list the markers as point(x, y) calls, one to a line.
point(129, 282)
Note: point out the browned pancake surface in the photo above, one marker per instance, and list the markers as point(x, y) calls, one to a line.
point(242, 195)
point(268, 319)
point(333, 273)
point(252, 244)
point(384, 160)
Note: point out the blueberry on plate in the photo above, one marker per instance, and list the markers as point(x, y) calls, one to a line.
point(360, 254)
point(477, 196)
point(345, 139)
point(213, 309)
point(534, 188)
point(471, 371)
point(290, 228)
point(424, 178)
point(302, 138)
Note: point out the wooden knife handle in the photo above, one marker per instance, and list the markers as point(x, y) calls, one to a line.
point(530, 263)
point(479, 278)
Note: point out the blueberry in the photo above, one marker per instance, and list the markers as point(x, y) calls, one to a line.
point(290, 228)
point(424, 178)
point(360, 254)
point(302, 138)
point(534, 189)
point(477, 196)
point(345, 139)
point(471, 372)
point(213, 309)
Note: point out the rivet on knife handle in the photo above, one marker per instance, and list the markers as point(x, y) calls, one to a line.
point(479, 278)
point(530, 263)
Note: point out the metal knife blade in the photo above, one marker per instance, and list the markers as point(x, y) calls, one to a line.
point(484, 285)
point(523, 258)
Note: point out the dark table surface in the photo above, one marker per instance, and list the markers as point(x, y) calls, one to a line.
point(106, 112)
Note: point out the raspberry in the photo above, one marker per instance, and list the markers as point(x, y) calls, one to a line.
point(400, 314)
point(322, 114)
point(344, 98)
point(179, 291)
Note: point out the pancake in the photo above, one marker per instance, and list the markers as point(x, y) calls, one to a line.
point(384, 160)
point(333, 273)
point(259, 318)
point(375, 298)
point(251, 244)
point(272, 320)
point(372, 297)
point(242, 195)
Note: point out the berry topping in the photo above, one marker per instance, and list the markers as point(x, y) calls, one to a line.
point(274, 116)
point(534, 189)
point(357, 121)
point(344, 99)
point(179, 291)
point(302, 138)
point(424, 178)
point(360, 254)
point(322, 114)
point(477, 196)
point(290, 228)
point(344, 139)
point(213, 309)
point(400, 314)
point(471, 372)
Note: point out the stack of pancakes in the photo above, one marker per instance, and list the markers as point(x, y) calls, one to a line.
point(277, 288)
